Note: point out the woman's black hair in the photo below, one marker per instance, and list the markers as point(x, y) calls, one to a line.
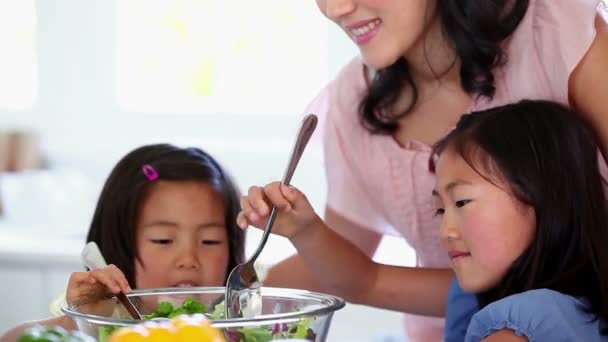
point(549, 158)
point(476, 29)
point(114, 220)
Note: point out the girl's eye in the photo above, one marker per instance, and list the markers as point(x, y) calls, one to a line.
point(211, 242)
point(462, 203)
point(439, 211)
point(162, 241)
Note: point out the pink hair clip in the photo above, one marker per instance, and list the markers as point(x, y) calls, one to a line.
point(150, 172)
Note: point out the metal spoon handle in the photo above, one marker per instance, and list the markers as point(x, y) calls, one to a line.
point(309, 123)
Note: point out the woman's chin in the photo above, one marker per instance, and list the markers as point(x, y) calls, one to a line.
point(375, 60)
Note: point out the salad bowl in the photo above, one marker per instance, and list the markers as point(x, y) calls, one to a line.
point(286, 313)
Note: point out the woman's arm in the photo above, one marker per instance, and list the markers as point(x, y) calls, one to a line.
point(347, 271)
point(340, 266)
point(293, 271)
point(588, 85)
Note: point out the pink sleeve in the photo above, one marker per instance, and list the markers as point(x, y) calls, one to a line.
point(346, 193)
point(563, 31)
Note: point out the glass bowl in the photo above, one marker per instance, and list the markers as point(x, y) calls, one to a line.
point(286, 313)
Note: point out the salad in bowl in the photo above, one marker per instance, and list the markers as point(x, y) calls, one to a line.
point(286, 314)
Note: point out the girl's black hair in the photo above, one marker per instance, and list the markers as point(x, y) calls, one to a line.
point(114, 220)
point(476, 29)
point(549, 158)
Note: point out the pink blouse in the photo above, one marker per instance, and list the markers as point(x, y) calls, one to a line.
point(383, 186)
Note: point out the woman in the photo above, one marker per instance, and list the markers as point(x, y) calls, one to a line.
point(422, 64)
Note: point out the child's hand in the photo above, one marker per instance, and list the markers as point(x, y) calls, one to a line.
point(295, 214)
point(91, 291)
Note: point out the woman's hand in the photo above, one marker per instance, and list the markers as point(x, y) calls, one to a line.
point(295, 214)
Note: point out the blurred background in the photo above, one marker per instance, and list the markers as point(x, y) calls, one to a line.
point(84, 82)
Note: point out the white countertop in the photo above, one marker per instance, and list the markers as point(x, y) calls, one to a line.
point(44, 258)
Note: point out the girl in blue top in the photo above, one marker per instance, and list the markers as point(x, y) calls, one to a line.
point(524, 220)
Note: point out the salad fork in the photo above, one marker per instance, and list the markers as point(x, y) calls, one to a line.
point(243, 295)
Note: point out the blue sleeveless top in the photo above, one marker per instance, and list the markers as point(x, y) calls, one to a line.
point(539, 315)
